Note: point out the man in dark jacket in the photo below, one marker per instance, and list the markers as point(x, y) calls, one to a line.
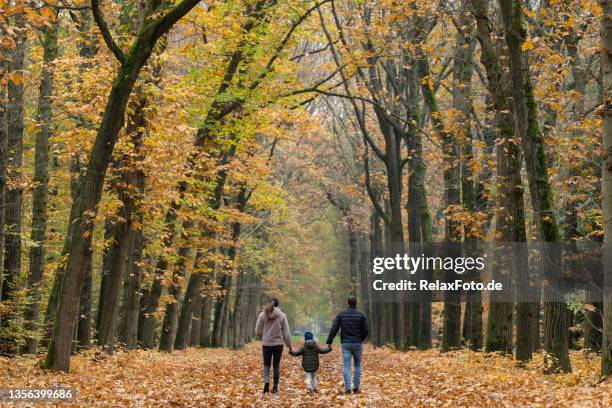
point(353, 326)
point(310, 360)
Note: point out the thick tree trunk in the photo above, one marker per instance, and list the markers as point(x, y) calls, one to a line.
point(196, 322)
point(510, 219)
point(39, 194)
point(110, 251)
point(555, 321)
point(606, 183)
point(452, 197)
point(221, 312)
point(147, 323)
point(76, 170)
point(186, 319)
point(128, 333)
point(395, 245)
point(84, 324)
point(124, 228)
point(462, 77)
point(3, 157)
point(474, 330)
point(171, 317)
point(240, 308)
point(419, 219)
point(14, 189)
point(205, 330)
point(88, 47)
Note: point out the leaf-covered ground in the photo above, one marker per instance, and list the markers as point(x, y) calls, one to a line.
point(220, 377)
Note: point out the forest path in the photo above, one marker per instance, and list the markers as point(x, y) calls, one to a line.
point(222, 377)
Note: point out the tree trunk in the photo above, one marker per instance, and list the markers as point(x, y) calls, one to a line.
point(352, 235)
point(14, 189)
point(452, 197)
point(186, 319)
point(606, 184)
point(84, 324)
point(240, 308)
point(555, 321)
point(88, 48)
point(388, 326)
point(39, 194)
point(171, 317)
point(147, 323)
point(364, 276)
point(376, 250)
point(510, 218)
point(462, 77)
point(122, 246)
point(3, 157)
point(413, 204)
point(419, 220)
point(128, 333)
point(196, 322)
point(205, 332)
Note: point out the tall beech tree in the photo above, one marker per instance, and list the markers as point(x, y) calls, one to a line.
point(606, 182)
point(14, 185)
point(510, 219)
point(526, 113)
point(41, 180)
point(159, 18)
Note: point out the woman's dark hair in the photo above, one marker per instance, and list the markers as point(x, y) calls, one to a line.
point(272, 303)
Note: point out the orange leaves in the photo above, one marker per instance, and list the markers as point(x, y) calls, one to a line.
point(16, 77)
point(223, 378)
point(528, 45)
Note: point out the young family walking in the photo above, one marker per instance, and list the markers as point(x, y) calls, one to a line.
point(273, 330)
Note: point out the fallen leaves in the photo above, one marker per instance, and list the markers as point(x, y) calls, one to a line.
point(223, 378)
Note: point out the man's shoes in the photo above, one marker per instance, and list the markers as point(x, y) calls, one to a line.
point(308, 391)
point(315, 390)
point(266, 388)
point(275, 389)
point(356, 390)
point(347, 391)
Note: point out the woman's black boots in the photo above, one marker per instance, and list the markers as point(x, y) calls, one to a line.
point(266, 388)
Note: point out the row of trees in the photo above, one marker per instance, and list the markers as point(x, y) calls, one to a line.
point(166, 131)
point(447, 110)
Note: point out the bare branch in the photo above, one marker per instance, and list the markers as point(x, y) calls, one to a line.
point(106, 34)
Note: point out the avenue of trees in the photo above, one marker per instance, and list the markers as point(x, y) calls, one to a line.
point(166, 166)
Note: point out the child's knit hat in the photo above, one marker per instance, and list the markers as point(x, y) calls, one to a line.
point(308, 336)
